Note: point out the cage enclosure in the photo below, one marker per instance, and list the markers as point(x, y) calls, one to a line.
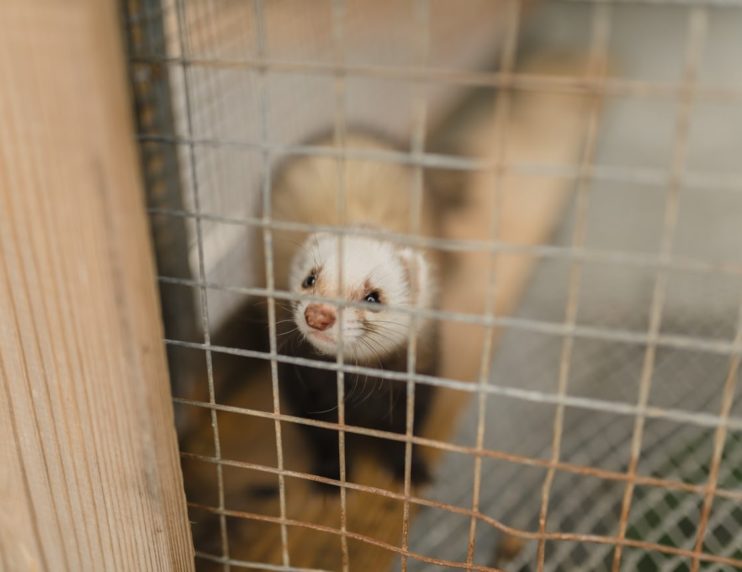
point(570, 169)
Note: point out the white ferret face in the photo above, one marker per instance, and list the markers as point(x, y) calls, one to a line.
point(376, 272)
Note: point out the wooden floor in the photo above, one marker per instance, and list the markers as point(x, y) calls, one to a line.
point(542, 129)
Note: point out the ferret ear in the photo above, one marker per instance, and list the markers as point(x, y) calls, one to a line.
point(417, 271)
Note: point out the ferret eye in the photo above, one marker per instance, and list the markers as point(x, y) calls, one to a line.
point(372, 297)
point(309, 281)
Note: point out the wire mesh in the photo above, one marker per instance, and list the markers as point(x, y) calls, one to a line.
point(603, 429)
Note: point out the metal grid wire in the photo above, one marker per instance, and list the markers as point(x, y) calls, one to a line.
point(601, 436)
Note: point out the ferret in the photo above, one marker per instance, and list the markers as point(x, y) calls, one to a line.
point(377, 273)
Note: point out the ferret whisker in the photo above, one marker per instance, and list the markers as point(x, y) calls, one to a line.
point(291, 331)
point(383, 337)
point(382, 342)
point(328, 410)
point(348, 398)
point(376, 349)
point(364, 335)
point(263, 301)
point(386, 324)
point(391, 326)
point(387, 333)
point(366, 395)
point(393, 330)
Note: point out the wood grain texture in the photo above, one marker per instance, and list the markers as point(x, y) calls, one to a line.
point(89, 471)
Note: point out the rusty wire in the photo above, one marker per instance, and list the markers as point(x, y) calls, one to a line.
point(598, 86)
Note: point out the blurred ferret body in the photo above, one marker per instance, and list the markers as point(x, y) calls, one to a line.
point(377, 276)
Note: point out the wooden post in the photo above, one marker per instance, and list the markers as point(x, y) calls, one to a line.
point(89, 469)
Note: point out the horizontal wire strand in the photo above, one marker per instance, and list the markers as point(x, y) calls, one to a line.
point(473, 245)
point(609, 86)
point(451, 447)
point(676, 341)
point(693, 180)
point(587, 403)
point(554, 536)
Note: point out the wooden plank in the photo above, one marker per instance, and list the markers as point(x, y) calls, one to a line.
point(90, 465)
point(164, 181)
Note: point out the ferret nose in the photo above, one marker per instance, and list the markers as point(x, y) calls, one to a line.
point(319, 316)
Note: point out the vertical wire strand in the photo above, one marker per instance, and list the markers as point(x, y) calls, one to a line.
point(266, 158)
point(500, 129)
point(697, 24)
point(339, 9)
point(727, 399)
point(601, 25)
point(204, 306)
point(421, 14)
